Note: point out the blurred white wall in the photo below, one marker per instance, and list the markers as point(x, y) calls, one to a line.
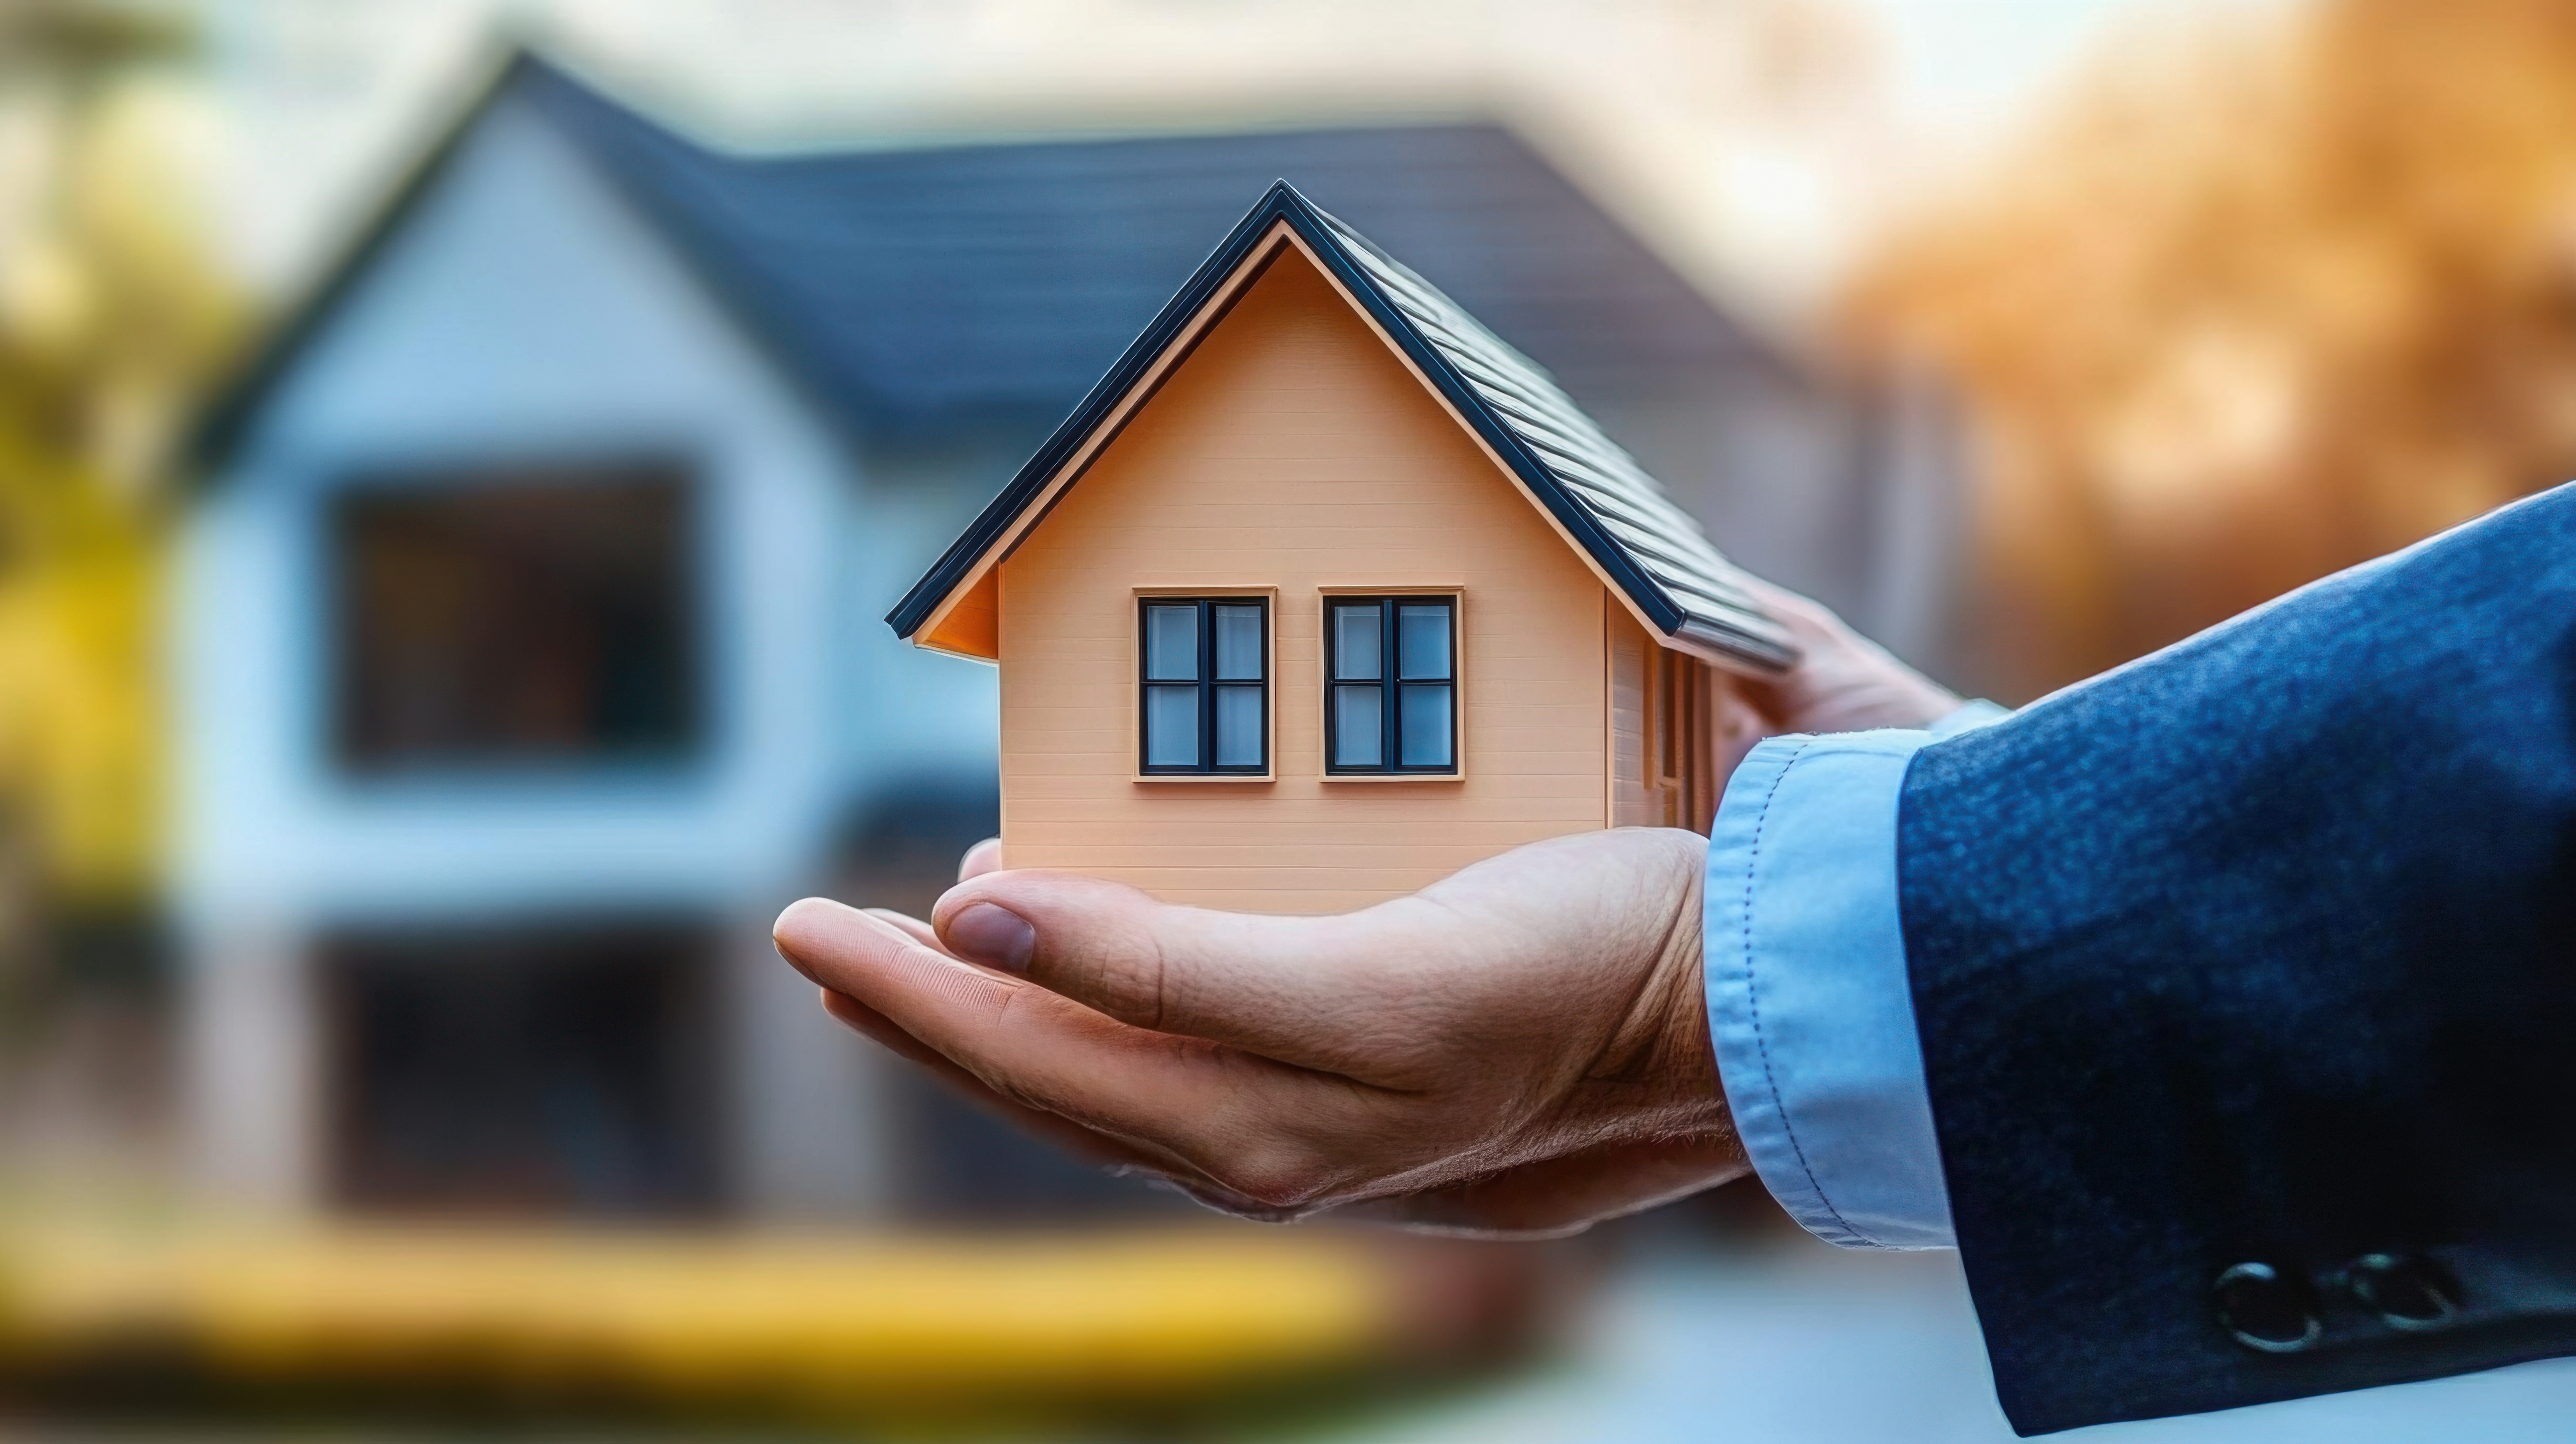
point(522, 313)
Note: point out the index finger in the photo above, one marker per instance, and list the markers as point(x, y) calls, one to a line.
point(1217, 1111)
point(1312, 991)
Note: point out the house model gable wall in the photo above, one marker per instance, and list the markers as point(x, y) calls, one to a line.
point(1292, 454)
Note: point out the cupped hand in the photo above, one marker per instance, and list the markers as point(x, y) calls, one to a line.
point(1520, 1048)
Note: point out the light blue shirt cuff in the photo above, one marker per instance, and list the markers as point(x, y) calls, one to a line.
point(1808, 1000)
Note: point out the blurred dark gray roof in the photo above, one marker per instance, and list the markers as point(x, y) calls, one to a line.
point(919, 290)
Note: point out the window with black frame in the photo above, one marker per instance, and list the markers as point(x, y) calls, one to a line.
point(1205, 708)
point(1391, 703)
point(517, 615)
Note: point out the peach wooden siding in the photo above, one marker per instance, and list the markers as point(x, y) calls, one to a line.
point(1658, 694)
point(1292, 450)
point(1633, 799)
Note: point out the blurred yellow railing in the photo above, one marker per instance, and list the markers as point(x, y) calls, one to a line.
point(792, 1320)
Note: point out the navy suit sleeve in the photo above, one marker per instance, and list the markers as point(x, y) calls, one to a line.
point(2246, 982)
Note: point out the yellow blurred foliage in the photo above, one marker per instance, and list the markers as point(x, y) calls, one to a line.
point(837, 1323)
point(112, 316)
point(2266, 297)
point(80, 738)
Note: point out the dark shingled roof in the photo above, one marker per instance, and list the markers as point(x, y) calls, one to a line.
point(916, 292)
point(1652, 549)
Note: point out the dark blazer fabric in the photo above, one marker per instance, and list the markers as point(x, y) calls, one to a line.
point(2246, 976)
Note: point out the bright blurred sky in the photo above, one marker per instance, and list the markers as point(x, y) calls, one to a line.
point(316, 103)
point(1971, 63)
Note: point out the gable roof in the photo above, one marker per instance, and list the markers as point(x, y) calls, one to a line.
point(1649, 548)
point(916, 292)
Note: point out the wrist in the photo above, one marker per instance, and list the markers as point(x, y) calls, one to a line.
point(1663, 1052)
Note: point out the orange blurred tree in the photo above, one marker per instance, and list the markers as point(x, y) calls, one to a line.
point(2262, 300)
point(112, 313)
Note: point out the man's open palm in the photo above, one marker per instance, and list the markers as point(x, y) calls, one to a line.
point(1518, 1048)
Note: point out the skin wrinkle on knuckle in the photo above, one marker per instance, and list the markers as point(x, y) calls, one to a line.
point(943, 991)
point(1107, 972)
point(1158, 978)
point(1228, 1072)
point(969, 986)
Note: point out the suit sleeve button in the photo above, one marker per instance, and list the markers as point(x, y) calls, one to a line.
point(2265, 1309)
point(2406, 1292)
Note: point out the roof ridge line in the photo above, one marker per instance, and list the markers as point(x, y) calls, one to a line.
point(1751, 637)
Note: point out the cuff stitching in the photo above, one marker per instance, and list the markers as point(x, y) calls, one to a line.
point(1753, 1001)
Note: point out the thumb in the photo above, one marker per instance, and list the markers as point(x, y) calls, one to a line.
point(1283, 987)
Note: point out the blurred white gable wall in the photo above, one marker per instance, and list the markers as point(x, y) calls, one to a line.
point(522, 316)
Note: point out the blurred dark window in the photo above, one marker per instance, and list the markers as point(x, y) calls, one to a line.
point(516, 616)
point(553, 1072)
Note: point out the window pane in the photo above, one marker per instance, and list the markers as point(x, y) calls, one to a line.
point(1422, 641)
point(538, 615)
point(1425, 724)
point(523, 1064)
point(1171, 726)
point(1172, 643)
point(1238, 644)
point(1355, 644)
point(1238, 726)
point(1357, 718)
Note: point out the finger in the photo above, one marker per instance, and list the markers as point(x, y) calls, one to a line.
point(1233, 1116)
point(1093, 1148)
point(1739, 726)
point(1806, 618)
point(913, 927)
point(1298, 989)
point(1082, 1142)
point(983, 857)
point(1055, 1127)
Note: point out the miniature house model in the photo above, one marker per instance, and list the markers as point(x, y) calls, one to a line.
point(1325, 592)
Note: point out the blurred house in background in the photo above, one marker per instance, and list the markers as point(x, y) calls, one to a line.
point(526, 618)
